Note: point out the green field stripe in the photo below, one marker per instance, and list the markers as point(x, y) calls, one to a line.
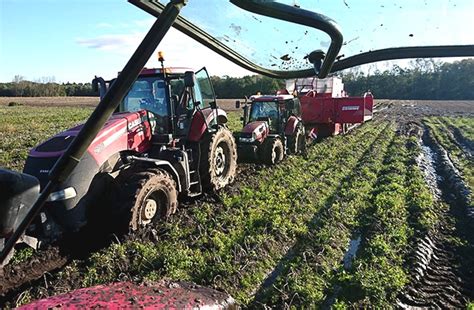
point(377, 274)
point(464, 124)
point(424, 213)
point(24, 127)
point(315, 254)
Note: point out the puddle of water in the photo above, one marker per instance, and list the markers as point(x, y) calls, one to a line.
point(351, 252)
point(426, 163)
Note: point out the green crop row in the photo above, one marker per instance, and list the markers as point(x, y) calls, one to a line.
point(378, 272)
point(318, 257)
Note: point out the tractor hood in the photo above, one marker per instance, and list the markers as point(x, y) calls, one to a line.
point(123, 131)
point(254, 131)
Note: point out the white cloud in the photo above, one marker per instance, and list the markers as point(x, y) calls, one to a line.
point(111, 42)
point(180, 51)
point(104, 25)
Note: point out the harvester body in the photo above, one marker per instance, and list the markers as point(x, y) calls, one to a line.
point(326, 108)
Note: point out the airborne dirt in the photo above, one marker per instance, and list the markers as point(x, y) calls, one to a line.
point(439, 260)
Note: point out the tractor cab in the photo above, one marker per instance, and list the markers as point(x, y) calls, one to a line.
point(171, 96)
point(272, 128)
point(275, 110)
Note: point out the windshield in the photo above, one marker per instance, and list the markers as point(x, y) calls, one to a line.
point(263, 111)
point(149, 93)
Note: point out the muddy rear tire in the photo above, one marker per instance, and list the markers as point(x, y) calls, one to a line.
point(272, 151)
point(219, 160)
point(146, 197)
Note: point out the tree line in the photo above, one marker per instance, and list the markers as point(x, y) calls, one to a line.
point(422, 79)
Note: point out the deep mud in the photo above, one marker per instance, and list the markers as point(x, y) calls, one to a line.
point(441, 272)
point(31, 273)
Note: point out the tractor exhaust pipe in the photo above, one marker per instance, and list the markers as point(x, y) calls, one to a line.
point(68, 161)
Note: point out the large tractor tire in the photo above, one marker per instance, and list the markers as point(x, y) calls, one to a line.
point(272, 151)
point(147, 196)
point(218, 160)
point(296, 142)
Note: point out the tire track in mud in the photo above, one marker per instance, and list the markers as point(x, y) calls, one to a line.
point(442, 275)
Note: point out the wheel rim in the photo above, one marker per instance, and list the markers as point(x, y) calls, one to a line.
point(274, 154)
point(151, 207)
point(220, 161)
point(149, 211)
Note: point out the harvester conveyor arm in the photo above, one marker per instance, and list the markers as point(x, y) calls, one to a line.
point(68, 161)
point(404, 53)
point(267, 8)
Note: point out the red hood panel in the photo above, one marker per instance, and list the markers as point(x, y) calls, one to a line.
point(126, 295)
point(250, 127)
point(123, 131)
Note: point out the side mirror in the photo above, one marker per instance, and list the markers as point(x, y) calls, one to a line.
point(197, 103)
point(189, 79)
point(213, 105)
point(237, 104)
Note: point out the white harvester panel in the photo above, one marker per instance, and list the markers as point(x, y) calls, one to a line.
point(331, 87)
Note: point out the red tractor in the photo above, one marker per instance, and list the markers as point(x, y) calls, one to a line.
point(167, 138)
point(272, 128)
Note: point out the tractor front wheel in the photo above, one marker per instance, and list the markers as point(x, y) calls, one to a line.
point(272, 151)
point(296, 142)
point(218, 160)
point(148, 196)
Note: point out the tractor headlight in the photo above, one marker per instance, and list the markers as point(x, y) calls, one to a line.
point(63, 194)
point(249, 139)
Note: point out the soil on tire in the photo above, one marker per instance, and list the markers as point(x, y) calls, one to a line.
point(141, 187)
point(272, 151)
point(218, 160)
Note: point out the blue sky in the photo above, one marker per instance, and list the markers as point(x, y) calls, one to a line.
point(74, 40)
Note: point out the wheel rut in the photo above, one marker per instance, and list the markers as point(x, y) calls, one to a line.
point(441, 274)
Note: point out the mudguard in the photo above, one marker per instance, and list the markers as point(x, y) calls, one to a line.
point(291, 125)
point(201, 119)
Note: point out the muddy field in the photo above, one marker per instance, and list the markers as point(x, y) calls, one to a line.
point(380, 217)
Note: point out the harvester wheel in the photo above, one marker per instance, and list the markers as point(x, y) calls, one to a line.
point(297, 141)
point(148, 196)
point(272, 152)
point(219, 159)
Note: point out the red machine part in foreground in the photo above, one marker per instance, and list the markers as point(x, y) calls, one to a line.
point(126, 295)
point(326, 108)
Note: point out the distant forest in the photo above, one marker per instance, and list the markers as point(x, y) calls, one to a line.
point(423, 79)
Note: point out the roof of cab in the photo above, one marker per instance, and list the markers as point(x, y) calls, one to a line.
point(259, 98)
